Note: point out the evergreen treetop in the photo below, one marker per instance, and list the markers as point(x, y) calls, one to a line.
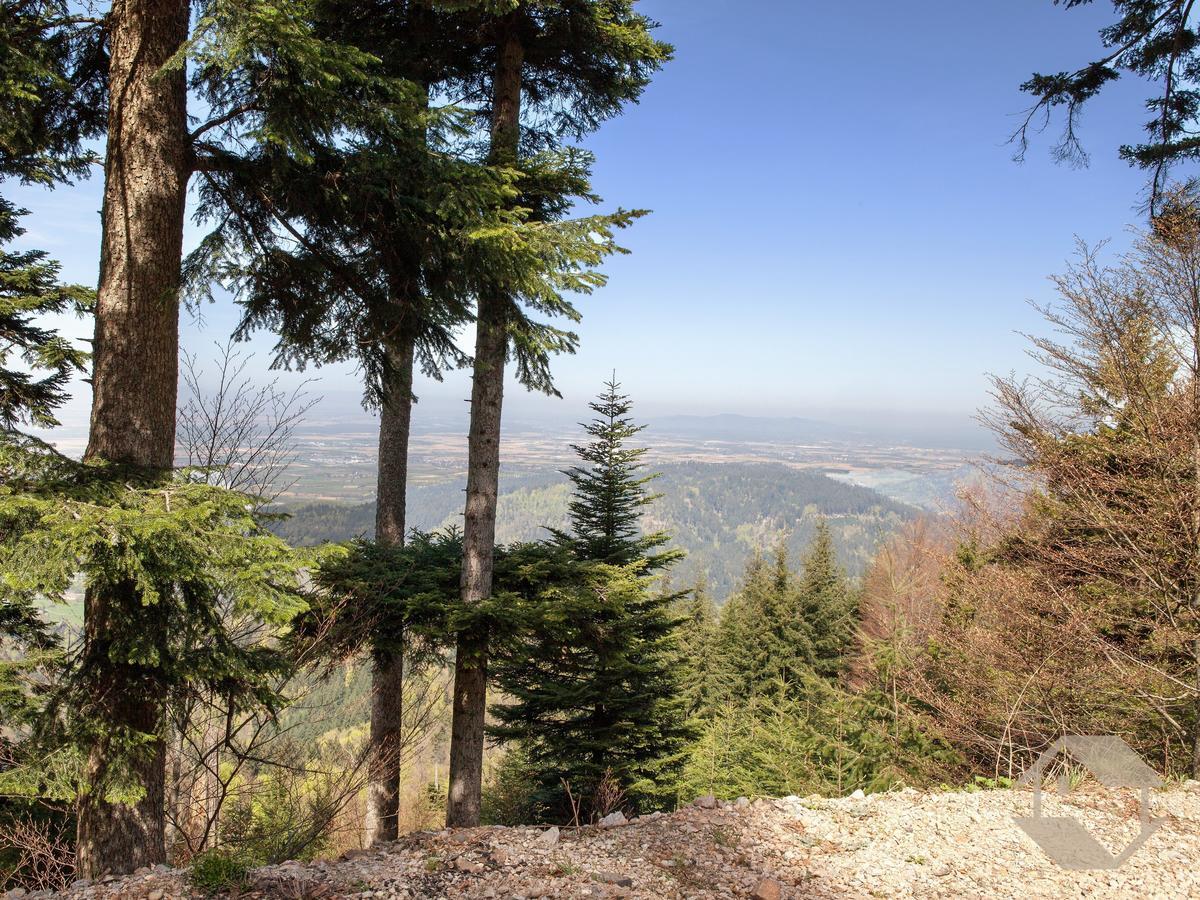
point(699, 655)
point(780, 720)
point(583, 61)
point(765, 640)
point(609, 495)
point(828, 606)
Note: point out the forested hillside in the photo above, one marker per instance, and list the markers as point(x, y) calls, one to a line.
point(718, 513)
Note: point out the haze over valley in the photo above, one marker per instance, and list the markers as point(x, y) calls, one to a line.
point(730, 485)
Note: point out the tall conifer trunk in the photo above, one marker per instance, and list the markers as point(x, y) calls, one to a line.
point(483, 467)
point(387, 678)
point(136, 351)
point(134, 382)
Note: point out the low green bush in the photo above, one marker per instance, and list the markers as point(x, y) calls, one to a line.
point(221, 870)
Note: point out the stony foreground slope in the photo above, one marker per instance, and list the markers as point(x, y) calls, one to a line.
point(900, 844)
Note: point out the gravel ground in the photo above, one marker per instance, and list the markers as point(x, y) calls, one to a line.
point(899, 844)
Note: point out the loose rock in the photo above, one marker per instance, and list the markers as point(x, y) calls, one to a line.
point(911, 844)
point(768, 889)
point(614, 878)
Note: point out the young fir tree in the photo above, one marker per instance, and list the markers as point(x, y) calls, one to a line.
point(828, 607)
point(594, 675)
point(699, 661)
point(609, 495)
point(29, 395)
point(765, 643)
point(35, 366)
point(780, 727)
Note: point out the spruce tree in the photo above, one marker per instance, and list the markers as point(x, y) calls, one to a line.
point(784, 723)
point(767, 644)
point(777, 631)
point(744, 628)
point(594, 678)
point(828, 607)
point(699, 652)
point(609, 496)
point(129, 70)
point(384, 218)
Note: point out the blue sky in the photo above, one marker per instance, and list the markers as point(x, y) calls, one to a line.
point(838, 228)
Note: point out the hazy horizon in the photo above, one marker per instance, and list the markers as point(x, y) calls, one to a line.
point(442, 412)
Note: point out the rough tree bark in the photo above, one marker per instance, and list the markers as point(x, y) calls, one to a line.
point(483, 469)
point(134, 380)
point(387, 678)
point(136, 351)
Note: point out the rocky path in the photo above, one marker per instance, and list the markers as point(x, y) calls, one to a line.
point(899, 844)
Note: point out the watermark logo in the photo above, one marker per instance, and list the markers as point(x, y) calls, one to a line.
point(1115, 765)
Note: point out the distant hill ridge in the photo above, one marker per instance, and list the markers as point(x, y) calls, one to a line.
point(719, 513)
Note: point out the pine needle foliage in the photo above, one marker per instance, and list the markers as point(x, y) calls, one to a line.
point(175, 551)
point(585, 60)
point(764, 637)
point(51, 73)
point(700, 665)
point(384, 598)
point(30, 290)
point(819, 739)
point(52, 77)
point(1154, 40)
point(591, 693)
point(52, 68)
